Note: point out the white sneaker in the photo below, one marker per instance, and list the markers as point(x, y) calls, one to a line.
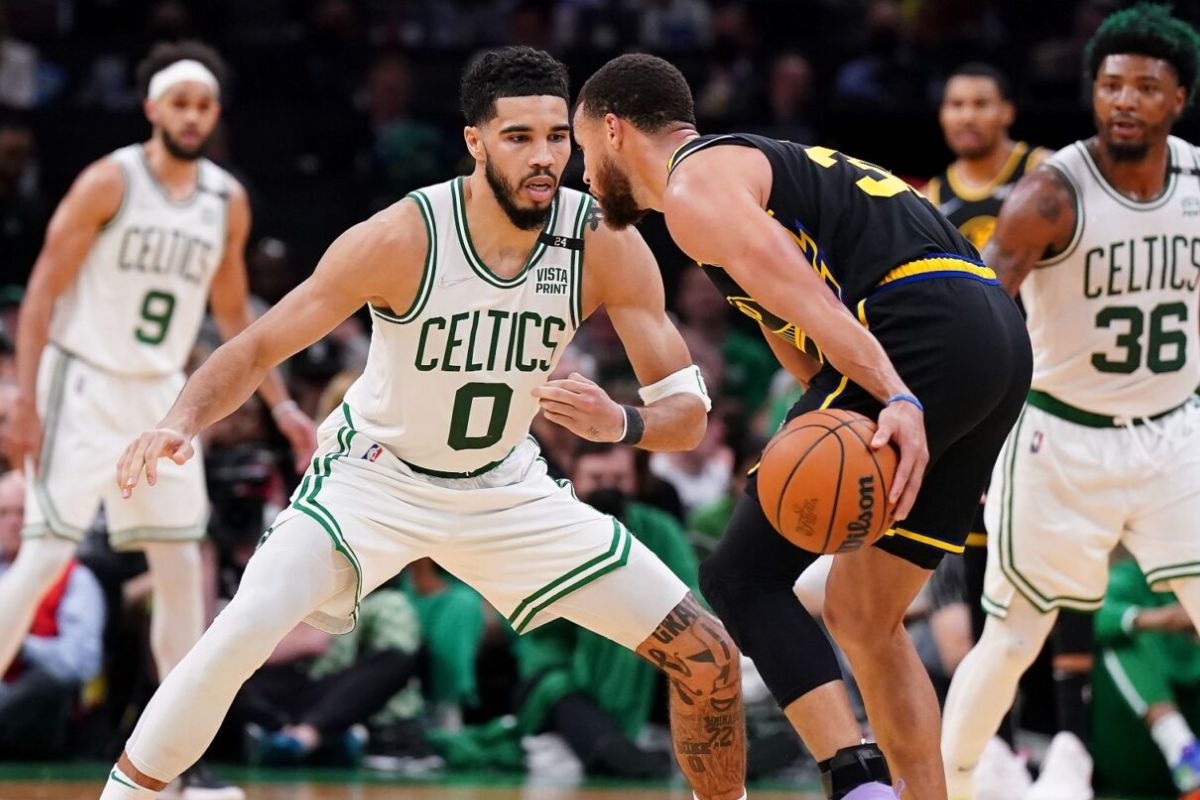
point(1066, 771)
point(1001, 773)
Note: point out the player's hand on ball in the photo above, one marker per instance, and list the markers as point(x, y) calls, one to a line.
point(22, 434)
point(903, 425)
point(145, 451)
point(582, 407)
point(301, 433)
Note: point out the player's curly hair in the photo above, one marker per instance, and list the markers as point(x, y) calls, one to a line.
point(1148, 29)
point(644, 89)
point(164, 54)
point(509, 72)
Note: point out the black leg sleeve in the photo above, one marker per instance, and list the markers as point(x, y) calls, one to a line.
point(748, 581)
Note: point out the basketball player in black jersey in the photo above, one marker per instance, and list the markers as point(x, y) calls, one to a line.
point(975, 114)
point(878, 305)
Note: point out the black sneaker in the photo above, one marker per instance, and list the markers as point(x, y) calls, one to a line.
point(199, 783)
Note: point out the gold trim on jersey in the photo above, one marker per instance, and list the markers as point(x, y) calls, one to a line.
point(984, 192)
point(926, 540)
point(926, 265)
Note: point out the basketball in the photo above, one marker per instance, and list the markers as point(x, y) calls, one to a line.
point(821, 484)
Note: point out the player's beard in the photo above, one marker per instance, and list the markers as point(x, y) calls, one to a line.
point(1131, 152)
point(616, 196)
point(179, 151)
point(527, 219)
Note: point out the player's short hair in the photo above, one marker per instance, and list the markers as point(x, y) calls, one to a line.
point(978, 69)
point(1147, 29)
point(509, 72)
point(164, 54)
point(646, 90)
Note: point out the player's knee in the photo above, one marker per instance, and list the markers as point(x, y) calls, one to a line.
point(860, 616)
point(1014, 647)
point(692, 648)
point(730, 591)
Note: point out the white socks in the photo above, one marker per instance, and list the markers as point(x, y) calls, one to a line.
point(121, 787)
point(1172, 734)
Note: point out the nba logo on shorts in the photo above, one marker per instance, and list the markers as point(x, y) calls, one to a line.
point(1035, 445)
point(373, 453)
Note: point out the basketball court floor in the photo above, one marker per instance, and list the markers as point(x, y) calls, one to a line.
point(83, 782)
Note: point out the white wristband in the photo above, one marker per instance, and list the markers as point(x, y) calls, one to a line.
point(284, 406)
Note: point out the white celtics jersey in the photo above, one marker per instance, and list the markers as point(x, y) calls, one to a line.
point(1113, 319)
point(448, 382)
point(139, 298)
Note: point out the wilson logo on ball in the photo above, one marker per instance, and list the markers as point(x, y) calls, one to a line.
point(860, 528)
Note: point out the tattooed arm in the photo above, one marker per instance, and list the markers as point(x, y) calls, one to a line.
point(1037, 221)
point(708, 728)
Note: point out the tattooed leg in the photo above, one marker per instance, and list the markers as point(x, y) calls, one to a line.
point(708, 726)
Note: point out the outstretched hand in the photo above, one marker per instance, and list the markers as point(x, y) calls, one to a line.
point(903, 424)
point(143, 454)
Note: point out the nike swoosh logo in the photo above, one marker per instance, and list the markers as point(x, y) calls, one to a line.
point(116, 776)
point(446, 281)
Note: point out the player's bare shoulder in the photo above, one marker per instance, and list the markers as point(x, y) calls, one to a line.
point(98, 192)
point(385, 254)
point(1037, 222)
point(1044, 200)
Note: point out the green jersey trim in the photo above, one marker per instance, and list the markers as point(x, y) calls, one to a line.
point(428, 273)
point(468, 248)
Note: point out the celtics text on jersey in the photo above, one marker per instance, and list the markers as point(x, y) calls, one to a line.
point(448, 382)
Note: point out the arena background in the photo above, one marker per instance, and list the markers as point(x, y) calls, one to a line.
point(336, 108)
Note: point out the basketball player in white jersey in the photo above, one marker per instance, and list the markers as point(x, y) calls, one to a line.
point(142, 242)
point(1103, 243)
point(475, 287)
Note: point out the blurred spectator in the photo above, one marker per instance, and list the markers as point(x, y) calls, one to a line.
point(18, 68)
point(455, 622)
point(707, 522)
point(304, 704)
point(723, 97)
point(406, 152)
point(702, 475)
point(789, 100)
point(672, 25)
point(271, 271)
point(22, 208)
point(887, 74)
point(61, 652)
point(1146, 690)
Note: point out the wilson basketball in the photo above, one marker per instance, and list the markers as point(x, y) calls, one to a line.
point(822, 486)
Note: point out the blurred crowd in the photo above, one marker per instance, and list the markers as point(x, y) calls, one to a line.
point(338, 108)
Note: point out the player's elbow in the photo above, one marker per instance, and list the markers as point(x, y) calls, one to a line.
point(693, 424)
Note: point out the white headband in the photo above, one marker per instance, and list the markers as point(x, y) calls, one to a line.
point(179, 72)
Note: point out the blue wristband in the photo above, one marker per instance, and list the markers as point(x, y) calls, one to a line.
point(905, 398)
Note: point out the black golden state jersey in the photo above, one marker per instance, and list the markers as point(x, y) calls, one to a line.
point(974, 211)
point(858, 225)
